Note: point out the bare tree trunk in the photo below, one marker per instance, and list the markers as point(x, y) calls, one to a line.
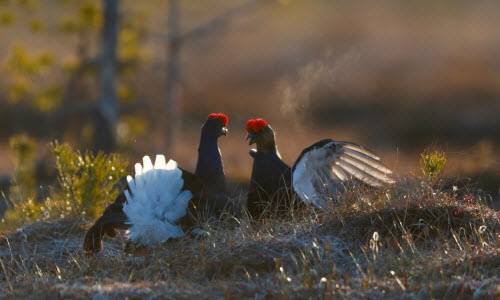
point(106, 117)
point(172, 80)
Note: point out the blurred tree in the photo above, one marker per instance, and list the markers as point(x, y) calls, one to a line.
point(175, 40)
point(79, 95)
point(106, 117)
point(172, 83)
point(76, 94)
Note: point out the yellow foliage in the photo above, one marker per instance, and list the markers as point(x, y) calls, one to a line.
point(26, 83)
point(24, 213)
point(28, 4)
point(45, 60)
point(130, 126)
point(36, 25)
point(86, 184)
point(7, 18)
point(128, 42)
point(69, 26)
point(89, 14)
point(23, 63)
point(136, 125)
point(70, 64)
point(19, 89)
point(124, 93)
point(88, 18)
point(23, 190)
point(130, 51)
point(22, 147)
point(432, 162)
point(49, 99)
point(87, 181)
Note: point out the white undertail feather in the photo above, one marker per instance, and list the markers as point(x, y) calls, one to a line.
point(156, 202)
point(321, 173)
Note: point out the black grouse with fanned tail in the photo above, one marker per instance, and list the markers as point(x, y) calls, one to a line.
point(317, 177)
point(182, 198)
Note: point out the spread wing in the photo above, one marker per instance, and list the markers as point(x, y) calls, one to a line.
point(320, 172)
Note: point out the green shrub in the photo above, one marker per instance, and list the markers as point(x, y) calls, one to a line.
point(87, 181)
point(86, 184)
point(22, 193)
point(432, 162)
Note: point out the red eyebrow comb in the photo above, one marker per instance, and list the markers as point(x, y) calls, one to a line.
point(256, 125)
point(222, 117)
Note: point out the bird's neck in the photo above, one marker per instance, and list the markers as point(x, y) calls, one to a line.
point(268, 146)
point(209, 166)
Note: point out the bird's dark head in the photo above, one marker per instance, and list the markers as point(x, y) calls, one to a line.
point(215, 125)
point(261, 134)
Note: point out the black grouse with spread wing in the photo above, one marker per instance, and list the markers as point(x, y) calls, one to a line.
point(317, 176)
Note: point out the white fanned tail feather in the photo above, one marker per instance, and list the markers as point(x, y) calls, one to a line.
point(321, 174)
point(156, 202)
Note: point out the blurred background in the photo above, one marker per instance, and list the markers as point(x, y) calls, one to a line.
point(140, 77)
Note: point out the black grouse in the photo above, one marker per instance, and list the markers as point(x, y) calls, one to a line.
point(318, 175)
point(163, 199)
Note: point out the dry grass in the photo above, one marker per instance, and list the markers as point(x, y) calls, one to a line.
point(404, 243)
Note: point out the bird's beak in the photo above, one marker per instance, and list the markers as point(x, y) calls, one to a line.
point(251, 137)
point(224, 130)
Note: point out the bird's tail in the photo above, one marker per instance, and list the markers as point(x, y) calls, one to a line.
point(156, 201)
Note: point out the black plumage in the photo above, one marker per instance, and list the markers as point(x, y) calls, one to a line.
point(207, 184)
point(271, 180)
point(319, 173)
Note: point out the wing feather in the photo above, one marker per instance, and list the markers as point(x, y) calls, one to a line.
point(367, 169)
point(366, 159)
point(339, 173)
point(358, 174)
point(323, 169)
point(358, 148)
